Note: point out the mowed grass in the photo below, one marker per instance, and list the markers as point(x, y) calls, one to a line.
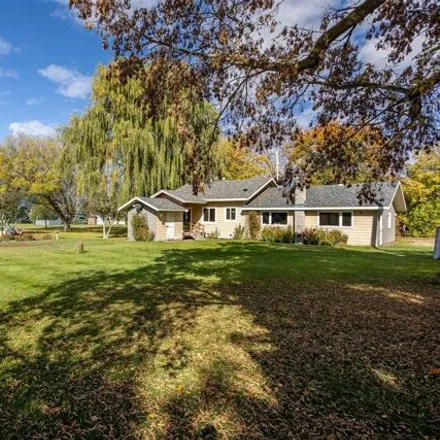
point(217, 339)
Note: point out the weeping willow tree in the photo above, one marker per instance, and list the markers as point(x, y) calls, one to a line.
point(129, 142)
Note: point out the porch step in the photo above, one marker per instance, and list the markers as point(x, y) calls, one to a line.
point(191, 236)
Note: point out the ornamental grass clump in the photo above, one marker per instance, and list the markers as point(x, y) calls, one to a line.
point(277, 234)
point(324, 237)
point(239, 232)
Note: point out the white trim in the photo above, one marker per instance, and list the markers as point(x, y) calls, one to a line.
point(399, 186)
point(207, 221)
point(223, 200)
point(319, 208)
point(154, 208)
point(318, 220)
point(130, 202)
point(380, 220)
point(270, 219)
point(226, 216)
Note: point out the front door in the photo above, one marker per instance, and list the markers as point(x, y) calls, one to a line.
point(187, 221)
point(170, 225)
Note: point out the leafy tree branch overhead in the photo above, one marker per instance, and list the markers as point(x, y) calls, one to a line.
point(265, 73)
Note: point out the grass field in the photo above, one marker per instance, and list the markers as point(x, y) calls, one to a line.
point(217, 339)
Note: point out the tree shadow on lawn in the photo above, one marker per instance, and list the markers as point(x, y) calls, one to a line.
point(200, 345)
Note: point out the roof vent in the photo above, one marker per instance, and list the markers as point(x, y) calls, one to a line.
point(245, 189)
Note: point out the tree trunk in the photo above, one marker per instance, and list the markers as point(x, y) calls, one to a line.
point(66, 227)
point(107, 233)
point(437, 244)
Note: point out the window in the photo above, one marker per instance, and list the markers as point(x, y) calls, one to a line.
point(274, 218)
point(230, 213)
point(338, 219)
point(266, 218)
point(346, 219)
point(329, 219)
point(279, 218)
point(209, 215)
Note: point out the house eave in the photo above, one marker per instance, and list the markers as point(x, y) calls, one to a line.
point(317, 208)
point(154, 208)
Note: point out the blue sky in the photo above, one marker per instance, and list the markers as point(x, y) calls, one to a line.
point(46, 60)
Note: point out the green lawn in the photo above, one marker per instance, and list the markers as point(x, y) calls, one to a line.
point(217, 339)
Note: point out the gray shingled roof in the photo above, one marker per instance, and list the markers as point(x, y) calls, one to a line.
point(162, 204)
point(184, 195)
point(223, 189)
point(326, 196)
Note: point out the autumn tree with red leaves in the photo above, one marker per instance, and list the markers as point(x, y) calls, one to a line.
point(264, 74)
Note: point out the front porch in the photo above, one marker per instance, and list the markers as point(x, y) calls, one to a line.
point(192, 228)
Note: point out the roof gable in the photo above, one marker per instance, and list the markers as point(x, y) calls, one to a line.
point(156, 204)
point(225, 190)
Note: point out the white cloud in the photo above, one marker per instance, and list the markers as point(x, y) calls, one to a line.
point(368, 53)
point(34, 101)
point(6, 48)
point(8, 73)
point(305, 117)
point(302, 12)
point(70, 82)
point(136, 4)
point(31, 128)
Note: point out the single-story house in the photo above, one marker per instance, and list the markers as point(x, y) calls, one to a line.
point(224, 204)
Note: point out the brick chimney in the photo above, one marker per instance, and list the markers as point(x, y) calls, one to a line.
point(300, 196)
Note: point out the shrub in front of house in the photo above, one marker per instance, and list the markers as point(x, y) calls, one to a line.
point(254, 225)
point(215, 235)
point(141, 231)
point(324, 237)
point(239, 232)
point(277, 234)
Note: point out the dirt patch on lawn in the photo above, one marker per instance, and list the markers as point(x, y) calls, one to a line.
point(416, 242)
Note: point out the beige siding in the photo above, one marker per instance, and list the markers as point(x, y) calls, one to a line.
point(196, 213)
point(225, 227)
point(178, 225)
point(389, 233)
point(161, 228)
point(151, 218)
point(363, 231)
